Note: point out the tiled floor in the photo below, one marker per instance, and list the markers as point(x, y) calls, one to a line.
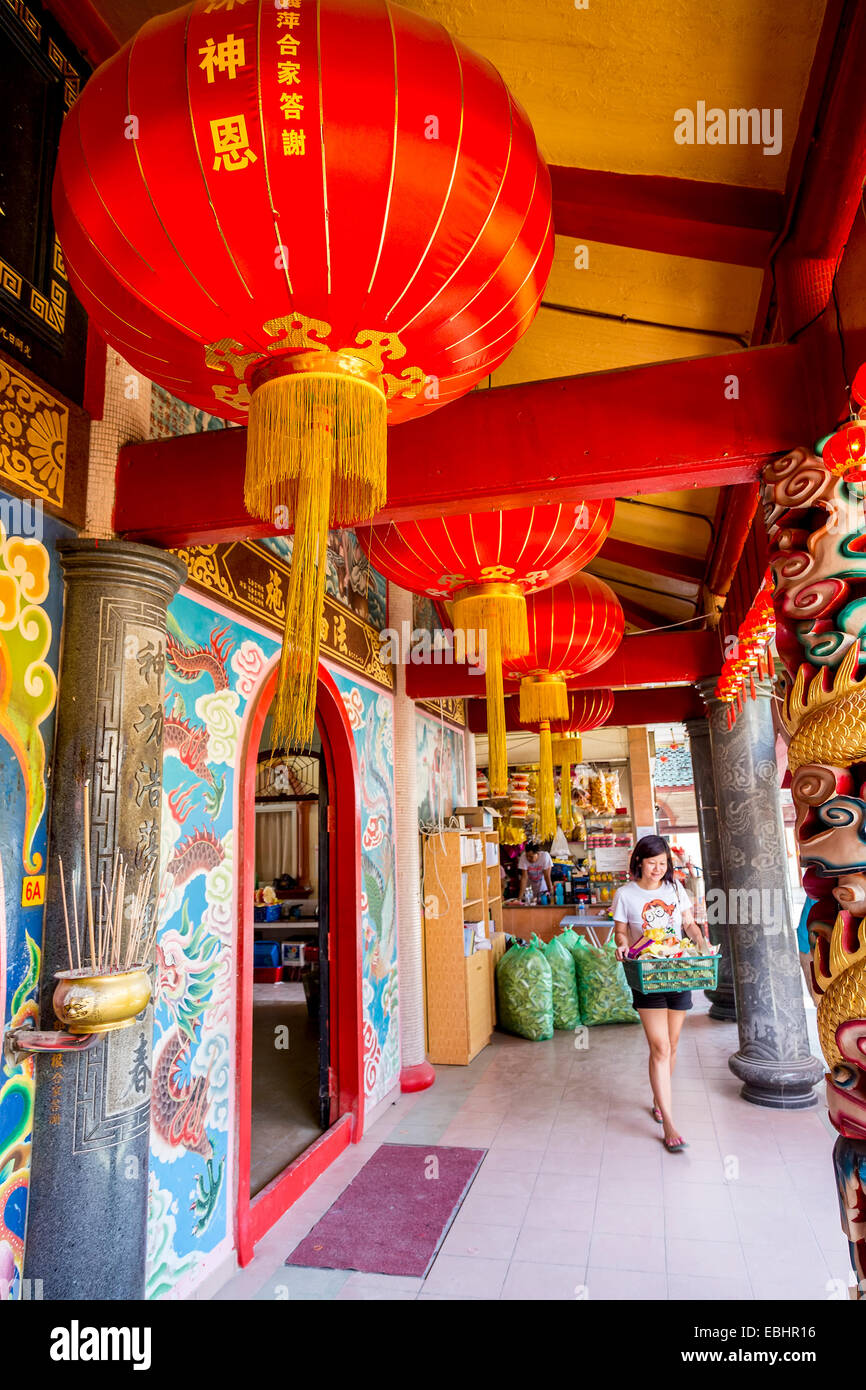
point(576, 1197)
point(285, 1080)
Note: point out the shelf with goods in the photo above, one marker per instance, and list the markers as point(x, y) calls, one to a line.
point(459, 1013)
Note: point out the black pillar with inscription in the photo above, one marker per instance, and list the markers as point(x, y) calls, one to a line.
point(87, 1216)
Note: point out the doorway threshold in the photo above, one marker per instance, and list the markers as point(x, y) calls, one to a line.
point(285, 1189)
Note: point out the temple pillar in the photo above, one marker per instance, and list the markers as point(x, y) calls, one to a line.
point(87, 1220)
point(723, 1005)
point(773, 1060)
point(416, 1073)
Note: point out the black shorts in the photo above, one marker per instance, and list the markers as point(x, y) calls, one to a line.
point(677, 1000)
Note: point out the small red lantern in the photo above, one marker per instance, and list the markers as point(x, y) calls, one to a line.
point(573, 628)
point(485, 562)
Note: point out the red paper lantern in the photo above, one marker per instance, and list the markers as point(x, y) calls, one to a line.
point(324, 215)
point(587, 709)
point(573, 629)
point(485, 562)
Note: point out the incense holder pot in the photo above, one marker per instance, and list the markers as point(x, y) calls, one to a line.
point(100, 1003)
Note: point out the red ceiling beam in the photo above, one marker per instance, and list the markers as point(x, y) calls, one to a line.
point(652, 659)
point(670, 704)
point(678, 217)
point(652, 561)
point(703, 422)
point(85, 26)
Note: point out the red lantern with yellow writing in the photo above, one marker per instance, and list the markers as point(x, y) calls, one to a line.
point(314, 217)
point(485, 562)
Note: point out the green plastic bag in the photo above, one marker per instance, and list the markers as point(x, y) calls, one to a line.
point(569, 938)
point(566, 1005)
point(524, 991)
point(601, 984)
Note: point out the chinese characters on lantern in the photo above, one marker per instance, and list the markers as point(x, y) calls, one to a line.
point(294, 138)
point(228, 133)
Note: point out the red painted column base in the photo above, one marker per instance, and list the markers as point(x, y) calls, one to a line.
point(417, 1078)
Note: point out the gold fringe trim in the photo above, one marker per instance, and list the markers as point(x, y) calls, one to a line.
point(546, 807)
point(566, 807)
point(316, 448)
point(495, 606)
point(303, 423)
point(499, 611)
point(497, 771)
point(543, 699)
point(567, 750)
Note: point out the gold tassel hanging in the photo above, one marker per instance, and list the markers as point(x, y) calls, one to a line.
point(546, 806)
point(543, 697)
point(316, 458)
point(499, 611)
point(567, 749)
point(566, 807)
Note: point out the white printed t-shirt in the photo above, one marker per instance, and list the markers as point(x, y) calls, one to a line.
point(641, 908)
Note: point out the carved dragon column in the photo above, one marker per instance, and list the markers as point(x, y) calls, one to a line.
point(815, 520)
point(723, 1003)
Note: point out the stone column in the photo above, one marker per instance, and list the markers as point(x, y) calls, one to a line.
point(773, 1061)
point(721, 998)
point(416, 1073)
point(87, 1226)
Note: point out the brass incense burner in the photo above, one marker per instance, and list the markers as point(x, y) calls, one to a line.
point(90, 1003)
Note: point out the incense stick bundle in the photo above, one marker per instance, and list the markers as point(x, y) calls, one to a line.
point(110, 950)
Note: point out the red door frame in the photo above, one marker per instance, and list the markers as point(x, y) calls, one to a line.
point(256, 1216)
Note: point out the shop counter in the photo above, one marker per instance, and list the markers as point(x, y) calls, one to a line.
point(520, 919)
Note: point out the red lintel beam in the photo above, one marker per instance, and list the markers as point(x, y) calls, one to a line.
point(670, 704)
point(652, 659)
point(652, 561)
point(679, 217)
point(702, 422)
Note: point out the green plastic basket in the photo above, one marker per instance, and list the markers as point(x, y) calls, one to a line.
point(657, 974)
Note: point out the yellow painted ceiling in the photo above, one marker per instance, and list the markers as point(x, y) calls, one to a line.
point(601, 84)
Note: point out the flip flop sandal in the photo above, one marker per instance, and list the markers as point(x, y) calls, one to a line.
point(657, 1115)
point(675, 1148)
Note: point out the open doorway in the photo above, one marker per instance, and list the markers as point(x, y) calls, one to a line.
point(291, 1025)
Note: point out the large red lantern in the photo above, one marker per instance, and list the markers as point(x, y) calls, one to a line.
point(587, 709)
point(485, 562)
point(255, 221)
point(573, 629)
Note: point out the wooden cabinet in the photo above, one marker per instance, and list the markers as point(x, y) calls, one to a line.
point(459, 988)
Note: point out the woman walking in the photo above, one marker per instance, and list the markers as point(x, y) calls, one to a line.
point(654, 899)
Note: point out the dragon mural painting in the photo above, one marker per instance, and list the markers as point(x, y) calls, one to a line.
point(30, 608)
point(213, 668)
point(371, 716)
point(439, 751)
point(815, 519)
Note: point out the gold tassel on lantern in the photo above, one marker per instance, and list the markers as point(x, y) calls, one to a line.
point(543, 696)
point(499, 611)
point(546, 807)
point(566, 751)
point(316, 458)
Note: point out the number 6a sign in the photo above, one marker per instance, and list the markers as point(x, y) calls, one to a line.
point(33, 891)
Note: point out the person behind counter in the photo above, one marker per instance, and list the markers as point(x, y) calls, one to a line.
point(535, 866)
point(654, 899)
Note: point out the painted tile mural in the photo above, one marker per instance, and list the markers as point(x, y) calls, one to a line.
point(349, 576)
point(441, 764)
point(371, 714)
point(31, 595)
point(213, 668)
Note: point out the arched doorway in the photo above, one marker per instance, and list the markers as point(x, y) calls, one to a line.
point(256, 1215)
